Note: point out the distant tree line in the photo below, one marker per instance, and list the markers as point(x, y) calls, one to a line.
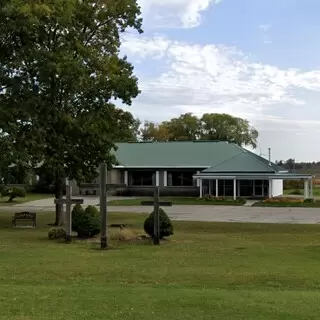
point(293, 166)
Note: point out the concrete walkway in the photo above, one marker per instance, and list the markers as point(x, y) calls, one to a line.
point(198, 212)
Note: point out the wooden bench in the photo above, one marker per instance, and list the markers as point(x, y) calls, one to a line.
point(24, 217)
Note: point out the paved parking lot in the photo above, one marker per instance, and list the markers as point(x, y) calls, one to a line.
point(235, 214)
point(202, 212)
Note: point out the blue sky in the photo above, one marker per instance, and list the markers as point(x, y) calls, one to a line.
point(257, 59)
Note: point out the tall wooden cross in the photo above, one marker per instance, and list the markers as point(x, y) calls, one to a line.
point(103, 206)
point(156, 203)
point(68, 201)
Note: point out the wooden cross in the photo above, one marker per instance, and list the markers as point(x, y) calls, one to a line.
point(156, 203)
point(68, 201)
point(103, 207)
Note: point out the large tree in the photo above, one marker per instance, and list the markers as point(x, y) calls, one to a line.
point(60, 70)
point(224, 127)
point(211, 126)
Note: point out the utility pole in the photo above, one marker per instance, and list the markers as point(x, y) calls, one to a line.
point(103, 206)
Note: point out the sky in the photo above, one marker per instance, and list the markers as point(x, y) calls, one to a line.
point(255, 59)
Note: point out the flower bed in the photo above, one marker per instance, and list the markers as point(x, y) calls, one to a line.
point(211, 198)
point(283, 200)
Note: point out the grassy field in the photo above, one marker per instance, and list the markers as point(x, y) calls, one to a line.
point(29, 197)
point(206, 271)
point(316, 191)
point(177, 201)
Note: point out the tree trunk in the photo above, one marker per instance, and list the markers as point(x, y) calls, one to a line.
point(59, 207)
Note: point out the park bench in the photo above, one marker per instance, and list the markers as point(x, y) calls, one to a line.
point(24, 217)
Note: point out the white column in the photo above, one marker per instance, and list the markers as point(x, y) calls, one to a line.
point(198, 180)
point(270, 188)
point(157, 179)
point(126, 182)
point(306, 186)
point(200, 188)
point(234, 189)
point(217, 190)
point(311, 189)
point(165, 178)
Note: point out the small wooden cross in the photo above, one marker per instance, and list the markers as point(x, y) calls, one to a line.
point(68, 201)
point(156, 203)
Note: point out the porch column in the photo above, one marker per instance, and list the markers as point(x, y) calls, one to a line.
point(157, 178)
point(270, 188)
point(126, 177)
point(311, 189)
point(217, 191)
point(234, 189)
point(200, 182)
point(306, 186)
point(165, 178)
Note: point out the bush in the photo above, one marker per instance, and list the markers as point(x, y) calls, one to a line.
point(86, 222)
point(56, 234)
point(124, 234)
point(309, 200)
point(14, 192)
point(166, 227)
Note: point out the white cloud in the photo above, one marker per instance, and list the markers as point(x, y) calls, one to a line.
point(265, 27)
point(215, 78)
point(174, 13)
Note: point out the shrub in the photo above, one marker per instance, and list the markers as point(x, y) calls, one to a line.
point(77, 212)
point(56, 233)
point(124, 234)
point(283, 200)
point(14, 192)
point(310, 200)
point(86, 223)
point(166, 227)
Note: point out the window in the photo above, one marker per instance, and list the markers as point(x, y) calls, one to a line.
point(141, 178)
point(180, 178)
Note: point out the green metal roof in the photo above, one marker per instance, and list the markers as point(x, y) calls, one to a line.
point(217, 156)
point(242, 162)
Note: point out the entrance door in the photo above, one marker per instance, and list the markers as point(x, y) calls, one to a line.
point(258, 188)
point(261, 188)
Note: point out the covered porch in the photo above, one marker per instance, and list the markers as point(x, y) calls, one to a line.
point(248, 185)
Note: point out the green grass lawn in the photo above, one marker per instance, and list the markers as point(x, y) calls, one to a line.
point(316, 191)
point(206, 271)
point(177, 201)
point(29, 197)
point(288, 204)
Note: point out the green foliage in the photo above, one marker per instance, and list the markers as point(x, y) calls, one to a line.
point(14, 192)
point(86, 222)
point(309, 200)
point(211, 126)
point(166, 226)
point(60, 71)
point(211, 198)
point(56, 233)
point(293, 184)
point(296, 192)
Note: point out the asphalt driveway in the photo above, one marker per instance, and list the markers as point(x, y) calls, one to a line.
point(199, 213)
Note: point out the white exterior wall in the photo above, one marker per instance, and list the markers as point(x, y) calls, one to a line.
point(277, 188)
